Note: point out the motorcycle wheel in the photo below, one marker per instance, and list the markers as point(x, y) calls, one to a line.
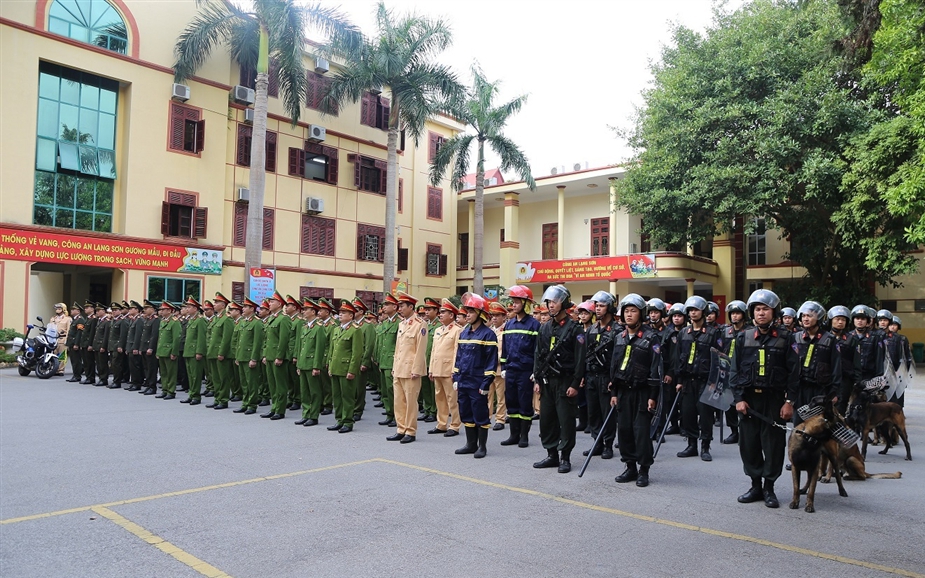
point(24, 371)
point(44, 370)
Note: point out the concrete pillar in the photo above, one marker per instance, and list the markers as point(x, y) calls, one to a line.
point(690, 287)
point(560, 245)
point(612, 231)
point(725, 256)
point(510, 248)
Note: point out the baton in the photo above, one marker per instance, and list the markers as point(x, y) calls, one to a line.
point(661, 438)
point(596, 440)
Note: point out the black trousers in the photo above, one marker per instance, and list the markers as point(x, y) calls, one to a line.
point(557, 415)
point(634, 422)
point(151, 366)
point(116, 365)
point(137, 368)
point(762, 445)
point(102, 366)
point(696, 417)
point(77, 361)
point(599, 406)
point(89, 364)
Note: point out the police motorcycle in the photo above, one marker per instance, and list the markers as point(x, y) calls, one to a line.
point(38, 353)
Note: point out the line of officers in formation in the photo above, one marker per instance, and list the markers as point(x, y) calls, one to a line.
point(457, 361)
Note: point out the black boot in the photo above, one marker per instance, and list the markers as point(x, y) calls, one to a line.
point(733, 437)
point(565, 464)
point(691, 449)
point(515, 433)
point(643, 479)
point(705, 451)
point(630, 474)
point(482, 435)
point(550, 461)
point(525, 433)
point(582, 419)
point(753, 494)
point(770, 499)
point(471, 441)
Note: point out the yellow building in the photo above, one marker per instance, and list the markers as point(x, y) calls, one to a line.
point(118, 184)
point(568, 231)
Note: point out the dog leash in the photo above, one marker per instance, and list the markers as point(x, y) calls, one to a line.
point(767, 420)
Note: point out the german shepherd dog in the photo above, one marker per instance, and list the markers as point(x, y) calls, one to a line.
point(808, 443)
point(865, 415)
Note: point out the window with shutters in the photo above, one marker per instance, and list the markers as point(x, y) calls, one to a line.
point(180, 217)
point(434, 144)
point(645, 242)
point(318, 235)
point(370, 243)
point(315, 162)
point(600, 234)
point(316, 88)
point(316, 292)
point(502, 235)
point(757, 244)
point(463, 262)
point(400, 198)
point(369, 174)
point(436, 262)
point(550, 240)
point(374, 111)
point(187, 129)
point(372, 299)
point(239, 233)
point(435, 203)
point(237, 291)
point(249, 78)
point(402, 258)
point(243, 153)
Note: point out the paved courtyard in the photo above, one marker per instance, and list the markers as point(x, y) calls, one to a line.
point(97, 482)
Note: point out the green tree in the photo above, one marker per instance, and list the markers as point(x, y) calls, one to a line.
point(753, 119)
point(400, 59)
point(478, 111)
point(267, 29)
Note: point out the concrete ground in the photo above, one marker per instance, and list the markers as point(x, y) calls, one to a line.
point(97, 482)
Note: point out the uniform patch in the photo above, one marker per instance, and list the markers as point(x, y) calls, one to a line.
point(796, 348)
point(423, 331)
point(581, 338)
point(656, 348)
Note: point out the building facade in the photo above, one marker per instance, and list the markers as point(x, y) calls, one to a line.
point(116, 184)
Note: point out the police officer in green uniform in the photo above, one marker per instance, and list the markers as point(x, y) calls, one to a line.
point(263, 388)
point(74, 336)
point(293, 310)
point(219, 347)
point(428, 402)
point(168, 350)
point(344, 367)
point(248, 357)
point(367, 373)
point(386, 337)
point(311, 345)
point(101, 344)
point(275, 354)
point(325, 315)
point(235, 313)
point(194, 350)
point(208, 313)
point(86, 344)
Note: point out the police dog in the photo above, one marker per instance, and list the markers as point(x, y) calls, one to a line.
point(866, 415)
point(850, 465)
point(807, 445)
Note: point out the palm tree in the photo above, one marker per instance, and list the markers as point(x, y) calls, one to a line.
point(399, 58)
point(270, 28)
point(479, 112)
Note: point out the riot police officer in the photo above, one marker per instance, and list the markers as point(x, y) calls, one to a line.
point(597, 373)
point(735, 313)
point(820, 359)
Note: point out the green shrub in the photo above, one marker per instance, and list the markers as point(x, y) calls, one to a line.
point(8, 334)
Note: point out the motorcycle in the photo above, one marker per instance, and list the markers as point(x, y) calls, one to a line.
point(38, 353)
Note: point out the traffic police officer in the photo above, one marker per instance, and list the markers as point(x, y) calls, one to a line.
point(440, 371)
point(408, 368)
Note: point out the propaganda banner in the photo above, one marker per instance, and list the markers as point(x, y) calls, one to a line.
point(588, 269)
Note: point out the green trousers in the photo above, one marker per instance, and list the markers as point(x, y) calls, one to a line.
point(428, 401)
point(327, 395)
point(222, 376)
point(343, 391)
point(251, 378)
point(295, 393)
point(235, 389)
point(194, 369)
point(310, 393)
point(387, 392)
point(278, 381)
point(168, 375)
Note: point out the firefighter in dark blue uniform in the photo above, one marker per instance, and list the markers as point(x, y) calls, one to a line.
point(560, 352)
point(765, 367)
point(820, 359)
point(599, 339)
point(475, 369)
point(518, 346)
point(735, 313)
point(636, 377)
point(693, 364)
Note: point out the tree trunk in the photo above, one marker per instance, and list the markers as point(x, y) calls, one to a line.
point(478, 279)
point(253, 245)
point(391, 192)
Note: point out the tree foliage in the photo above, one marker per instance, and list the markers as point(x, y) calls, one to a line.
point(753, 119)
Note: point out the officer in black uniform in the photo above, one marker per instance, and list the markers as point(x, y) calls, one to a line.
point(560, 352)
point(636, 375)
point(599, 340)
point(677, 321)
point(74, 336)
point(820, 359)
point(86, 344)
point(735, 313)
point(900, 354)
point(765, 367)
point(133, 346)
point(693, 363)
point(867, 344)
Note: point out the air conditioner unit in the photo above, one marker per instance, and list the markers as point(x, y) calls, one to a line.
point(180, 92)
point(553, 171)
point(249, 115)
point(376, 90)
point(242, 94)
point(576, 166)
point(314, 205)
point(316, 133)
point(244, 195)
point(321, 65)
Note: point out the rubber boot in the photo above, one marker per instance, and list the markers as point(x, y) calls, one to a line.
point(550, 461)
point(471, 441)
point(643, 479)
point(705, 451)
point(629, 474)
point(582, 419)
point(565, 463)
point(525, 433)
point(754, 494)
point(515, 433)
point(733, 437)
point(482, 435)
point(690, 450)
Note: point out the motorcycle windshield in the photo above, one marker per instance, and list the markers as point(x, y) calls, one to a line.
point(51, 332)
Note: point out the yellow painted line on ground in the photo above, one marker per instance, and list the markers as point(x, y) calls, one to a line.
point(182, 492)
point(179, 554)
point(664, 522)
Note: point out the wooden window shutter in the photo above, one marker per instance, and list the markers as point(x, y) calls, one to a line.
point(327, 238)
point(271, 152)
point(434, 203)
point(365, 105)
point(296, 162)
point(200, 222)
point(269, 221)
point(200, 136)
point(431, 146)
point(165, 218)
point(239, 232)
point(237, 291)
point(383, 167)
point(243, 155)
point(401, 141)
point(248, 77)
point(177, 198)
point(381, 234)
point(324, 88)
point(305, 237)
point(402, 259)
point(443, 262)
point(355, 159)
point(383, 110)
point(273, 81)
point(401, 194)
point(331, 153)
point(311, 89)
point(177, 126)
point(361, 242)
